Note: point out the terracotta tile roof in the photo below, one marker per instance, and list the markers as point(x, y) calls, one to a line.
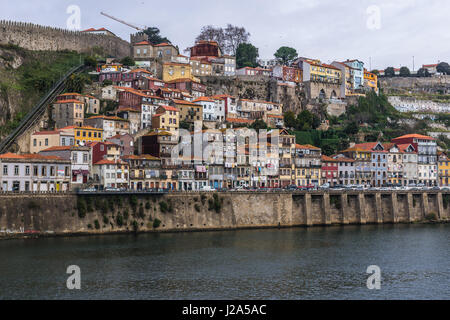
point(68, 101)
point(30, 156)
point(38, 133)
point(106, 161)
point(140, 157)
point(142, 43)
point(108, 118)
point(185, 102)
point(206, 99)
point(306, 146)
point(328, 159)
point(169, 108)
point(70, 94)
point(414, 135)
point(239, 120)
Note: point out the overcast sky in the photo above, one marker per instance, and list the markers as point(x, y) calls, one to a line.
point(385, 32)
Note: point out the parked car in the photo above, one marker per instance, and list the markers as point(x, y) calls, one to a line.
point(89, 190)
point(324, 186)
point(207, 188)
point(109, 189)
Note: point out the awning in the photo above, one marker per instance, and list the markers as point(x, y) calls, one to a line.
point(76, 172)
point(85, 172)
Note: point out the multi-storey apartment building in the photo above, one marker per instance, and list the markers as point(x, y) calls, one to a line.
point(307, 159)
point(444, 170)
point(68, 113)
point(34, 173)
point(80, 161)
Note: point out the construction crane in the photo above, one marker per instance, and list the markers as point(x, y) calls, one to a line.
point(123, 22)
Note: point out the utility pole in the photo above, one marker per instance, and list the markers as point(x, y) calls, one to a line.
point(413, 64)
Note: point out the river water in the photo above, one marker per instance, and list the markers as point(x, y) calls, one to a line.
point(298, 263)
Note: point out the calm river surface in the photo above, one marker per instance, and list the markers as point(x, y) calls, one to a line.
point(312, 263)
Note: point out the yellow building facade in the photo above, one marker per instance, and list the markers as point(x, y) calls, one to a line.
point(87, 134)
point(174, 71)
point(444, 170)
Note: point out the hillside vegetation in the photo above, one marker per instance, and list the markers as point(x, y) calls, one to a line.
point(25, 76)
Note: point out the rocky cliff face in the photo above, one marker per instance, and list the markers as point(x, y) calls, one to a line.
point(259, 88)
point(10, 97)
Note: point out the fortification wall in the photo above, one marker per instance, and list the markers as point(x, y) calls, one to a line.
point(44, 214)
point(435, 84)
point(36, 37)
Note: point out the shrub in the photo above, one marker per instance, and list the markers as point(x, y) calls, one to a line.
point(81, 205)
point(33, 205)
point(147, 206)
point(135, 226)
point(156, 223)
point(215, 203)
point(126, 214)
point(163, 207)
point(119, 220)
point(105, 220)
point(133, 201)
point(431, 217)
point(203, 198)
point(104, 206)
point(118, 201)
point(89, 226)
point(197, 207)
point(335, 201)
point(111, 204)
point(97, 224)
point(141, 213)
point(89, 207)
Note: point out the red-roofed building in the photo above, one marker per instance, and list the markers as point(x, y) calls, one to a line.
point(101, 31)
point(329, 170)
point(111, 174)
point(80, 158)
point(166, 118)
point(34, 173)
point(68, 113)
point(126, 143)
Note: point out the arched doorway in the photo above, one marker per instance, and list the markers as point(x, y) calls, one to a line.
point(322, 94)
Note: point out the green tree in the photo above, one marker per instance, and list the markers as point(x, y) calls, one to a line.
point(76, 83)
point(258, 124)
point(154, 36)
point(423, 72)
point(127, 61)
point(246, 55)
point(90, 61)
point(443, 68)
point(351, 128)
point(286, 55)
point(389, 72)
point(404, 72)
point(289, 120)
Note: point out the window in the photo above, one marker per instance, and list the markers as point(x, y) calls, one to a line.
point(27, 170)
point(46, 141)
point(35, 170)
point(5, 170)
point(43, 171)
point(34, 142)
point(52, 171)
point(16, 170)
